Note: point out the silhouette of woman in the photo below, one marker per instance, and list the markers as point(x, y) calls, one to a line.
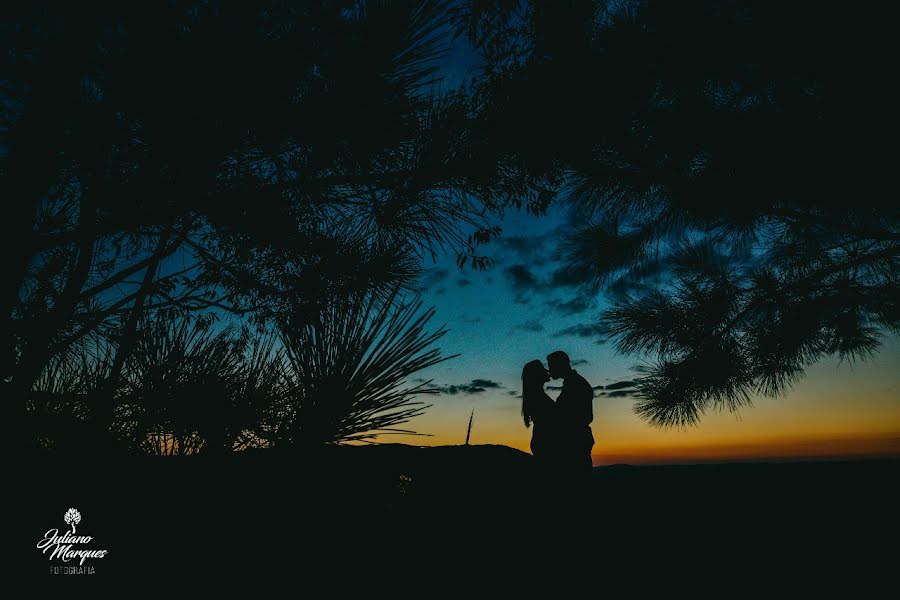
point(538, 408)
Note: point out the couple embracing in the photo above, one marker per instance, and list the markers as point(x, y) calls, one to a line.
point(561, 440)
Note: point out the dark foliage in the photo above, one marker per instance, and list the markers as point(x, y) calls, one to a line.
point(251, 159)
point(194, 386)
point(269, 161)
point(345, 373)
point(724, 161)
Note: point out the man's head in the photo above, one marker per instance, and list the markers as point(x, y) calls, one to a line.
point(558, 364)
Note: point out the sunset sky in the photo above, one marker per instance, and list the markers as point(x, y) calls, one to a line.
point(516, 311)
point(521, 309)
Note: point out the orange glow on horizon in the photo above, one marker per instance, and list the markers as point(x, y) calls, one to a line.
point(838, 411)
point(811, 448)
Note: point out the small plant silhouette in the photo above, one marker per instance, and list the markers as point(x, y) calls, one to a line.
point(404, 483)
point(72, 517)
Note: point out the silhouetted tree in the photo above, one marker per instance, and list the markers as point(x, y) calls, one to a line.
point(722, 161)
point(59, 408)
point(193, 385)
point(346, 372)
point(179, 392)
point(179, 387)
point(251, 158)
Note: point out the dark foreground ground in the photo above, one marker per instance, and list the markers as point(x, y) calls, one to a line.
point(271, 515)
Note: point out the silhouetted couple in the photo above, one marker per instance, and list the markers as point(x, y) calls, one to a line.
point(561, 441)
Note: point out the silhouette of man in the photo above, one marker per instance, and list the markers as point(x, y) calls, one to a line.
point(574, 414)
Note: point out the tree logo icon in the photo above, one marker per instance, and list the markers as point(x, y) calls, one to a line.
point(72, 517)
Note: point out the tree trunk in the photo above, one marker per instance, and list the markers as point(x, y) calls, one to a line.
point(34, 161)
point(105, 408)
point(36, 352)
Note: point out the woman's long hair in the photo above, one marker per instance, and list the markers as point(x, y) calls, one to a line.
point(533, 377)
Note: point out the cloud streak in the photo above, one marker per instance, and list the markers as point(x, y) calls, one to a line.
point(617, 394)
point(575, 306)
point(433, 277)
point(476, 386)
point(584, 330)
point(619, 385)
point(526, 248)
point(533, 325)
point(619, 389)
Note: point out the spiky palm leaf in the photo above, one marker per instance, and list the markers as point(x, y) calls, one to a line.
point(59, 406)
point(346, 372)
point(178, 385)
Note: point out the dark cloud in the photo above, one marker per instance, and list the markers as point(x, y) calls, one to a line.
point(523, 282)
point(585, 330)
point(528, 248)
point(521, 244)
point(532, 325)
point(566, 276)
point(440, 291)
point(433, 277)
point(554, 387)
point(574, 306)
point(476, 386)
point(460, 389)
point(486, 383)
point(619, 385)
point(579, 361)
point(463, 282)
point(619, 389)
point(521, 277)
point(526, 281)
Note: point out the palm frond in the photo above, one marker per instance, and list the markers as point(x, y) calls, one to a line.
point(346, 372)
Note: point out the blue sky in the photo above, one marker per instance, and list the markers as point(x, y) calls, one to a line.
point(501, 318)
point(515, 312)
